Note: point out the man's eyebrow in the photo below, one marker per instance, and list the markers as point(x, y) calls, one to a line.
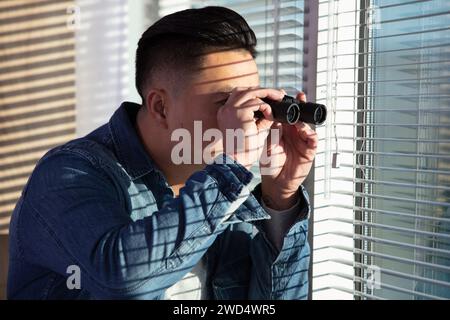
point(224, 90)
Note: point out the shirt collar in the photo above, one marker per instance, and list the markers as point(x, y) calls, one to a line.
point(128, 146)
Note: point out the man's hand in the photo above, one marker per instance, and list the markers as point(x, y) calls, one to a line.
point(236, 117)
point(291, 160)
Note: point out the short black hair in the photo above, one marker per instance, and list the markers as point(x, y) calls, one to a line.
point(180, 39)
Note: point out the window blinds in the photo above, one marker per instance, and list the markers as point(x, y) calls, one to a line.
point(382, 218)
point(37, 93)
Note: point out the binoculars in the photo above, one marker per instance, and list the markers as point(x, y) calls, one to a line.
point(290, 110)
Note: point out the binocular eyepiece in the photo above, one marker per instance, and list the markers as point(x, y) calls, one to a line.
point(290, 110)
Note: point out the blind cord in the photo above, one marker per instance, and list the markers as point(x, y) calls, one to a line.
point(335, 158)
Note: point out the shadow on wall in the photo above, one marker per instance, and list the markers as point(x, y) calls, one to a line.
point(3, 265)
point(102, 62)
point(37, 91)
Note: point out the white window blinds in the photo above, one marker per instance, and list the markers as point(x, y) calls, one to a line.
point(382, 219)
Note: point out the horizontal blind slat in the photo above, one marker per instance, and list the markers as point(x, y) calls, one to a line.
point(384, 241)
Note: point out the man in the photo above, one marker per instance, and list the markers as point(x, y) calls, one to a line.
point(115, 215)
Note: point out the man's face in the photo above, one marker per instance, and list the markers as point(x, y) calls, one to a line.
point(208, 90)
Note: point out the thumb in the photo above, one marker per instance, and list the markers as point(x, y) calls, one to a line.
point(263, 124)
point(301, 96)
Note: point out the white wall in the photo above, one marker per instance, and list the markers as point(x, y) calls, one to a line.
point(106, 42)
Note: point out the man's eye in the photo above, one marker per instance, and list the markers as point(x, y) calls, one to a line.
point(222, 102)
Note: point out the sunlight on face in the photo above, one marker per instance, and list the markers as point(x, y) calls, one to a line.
point(208, 90)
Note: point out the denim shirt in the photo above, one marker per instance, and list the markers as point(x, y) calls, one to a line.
point(99, 204)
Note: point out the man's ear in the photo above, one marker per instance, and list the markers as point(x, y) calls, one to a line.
point(156, 103)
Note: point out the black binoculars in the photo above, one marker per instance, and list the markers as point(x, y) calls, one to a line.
point(290, 110)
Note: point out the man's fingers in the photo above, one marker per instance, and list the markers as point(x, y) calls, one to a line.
point(307, 134)
point(259, 93)
point(266, 122)
point(276, 127)
point(265, 109)
point(248, 100)
point(303, 127)
point(301, 96)
point(263, 124)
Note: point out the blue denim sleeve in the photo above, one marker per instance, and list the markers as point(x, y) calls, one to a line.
point(80, 206)
point(281, 274)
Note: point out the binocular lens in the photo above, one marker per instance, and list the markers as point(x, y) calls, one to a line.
point(290, 110)
point(320, 114)
point(293, 113)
